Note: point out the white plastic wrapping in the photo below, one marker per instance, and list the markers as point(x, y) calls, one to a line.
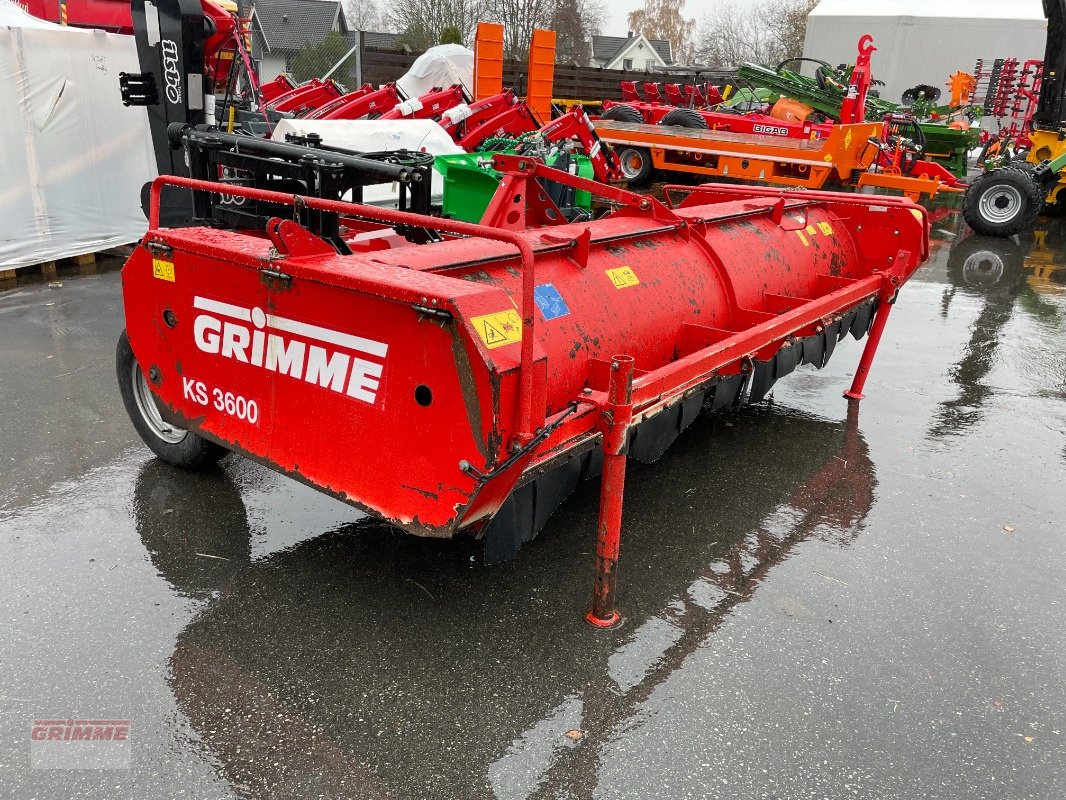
point(444, 65)
point(72, 157)
point(375, 135)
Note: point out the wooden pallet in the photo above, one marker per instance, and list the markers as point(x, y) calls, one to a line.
point(84, 264)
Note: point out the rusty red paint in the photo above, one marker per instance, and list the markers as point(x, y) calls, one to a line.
point(616, 414)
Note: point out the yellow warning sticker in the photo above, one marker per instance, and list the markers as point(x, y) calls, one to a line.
point(917, 214)
point(847, 140)
point(811, 230)
point(803, 238)
point(825, 228)
point(163, 269)
point(496, 330)
point(623, 277)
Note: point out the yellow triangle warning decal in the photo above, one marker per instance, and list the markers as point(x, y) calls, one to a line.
point(496, 330)
point(491, 335)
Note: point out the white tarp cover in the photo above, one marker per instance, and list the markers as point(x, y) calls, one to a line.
point(72, 157)
point(444, 65)
point(375, 135)
point(922, 42)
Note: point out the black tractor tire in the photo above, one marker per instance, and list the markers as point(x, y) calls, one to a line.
point(1003, 202)
point(172, 444)
point(979, 262)
point(623, 114)
point(684, 118)
point(636, 165)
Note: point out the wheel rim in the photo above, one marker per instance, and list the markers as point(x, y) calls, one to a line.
point(1001, 203)
point(149, 411)
point(632, 164)
point(983, 268)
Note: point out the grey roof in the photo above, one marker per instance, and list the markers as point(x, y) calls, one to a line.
point(383, 41)
point(290, 24)
point(605, 48)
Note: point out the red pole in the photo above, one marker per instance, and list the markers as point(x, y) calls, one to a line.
point(868, 352)
point(616, 413)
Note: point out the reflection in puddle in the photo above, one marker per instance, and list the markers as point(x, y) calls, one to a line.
point(1026, 275)
point(364, 663)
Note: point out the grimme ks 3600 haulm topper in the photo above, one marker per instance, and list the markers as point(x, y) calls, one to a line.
point(449, 376)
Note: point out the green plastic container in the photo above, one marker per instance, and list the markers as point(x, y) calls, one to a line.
point(469, 183)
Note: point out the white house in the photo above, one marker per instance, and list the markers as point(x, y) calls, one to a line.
point(633, 52)
point(280, 29)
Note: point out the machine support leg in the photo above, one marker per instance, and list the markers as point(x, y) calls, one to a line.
point(868, 352)
point(617, 413)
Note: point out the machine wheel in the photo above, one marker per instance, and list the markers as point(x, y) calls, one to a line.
point(636, 166)
point(172, 444)
point(684, 118)
point(980, 262)
point(622, 114)
point(1003, 202)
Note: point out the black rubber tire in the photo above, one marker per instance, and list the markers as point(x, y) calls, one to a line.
point(192, 451)
point(622, 114)
point(1008, 182)
point(684, 118)
point(636, 165)
point(979, 262)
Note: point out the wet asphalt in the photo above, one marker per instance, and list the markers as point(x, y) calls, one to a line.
point(817, 603)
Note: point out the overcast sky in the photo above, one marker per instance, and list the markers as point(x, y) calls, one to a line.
point(615, 19)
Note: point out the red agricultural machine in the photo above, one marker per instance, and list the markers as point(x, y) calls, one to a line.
point(467, 377)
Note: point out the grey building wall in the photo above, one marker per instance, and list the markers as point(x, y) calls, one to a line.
point(913, 50)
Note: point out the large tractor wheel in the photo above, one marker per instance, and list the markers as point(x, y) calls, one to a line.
point(1003, 202)
point(636, 165)
point(172, 444)
point(623, 114)
point(684, 118)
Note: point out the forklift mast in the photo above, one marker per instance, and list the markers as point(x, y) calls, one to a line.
point(170, 38)
point(1050, 113)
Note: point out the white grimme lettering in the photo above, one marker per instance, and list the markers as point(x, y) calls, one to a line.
point(206, 332)
point(363, 385)
point(326, 366)
point(235, 340)
point(286, 359)
point(329, 373)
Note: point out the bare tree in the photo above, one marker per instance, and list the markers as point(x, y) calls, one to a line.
point(420, 22)
point(519, 18)
point(365, 15)
point(663, 19)
point(767, 32)
point(785, 23)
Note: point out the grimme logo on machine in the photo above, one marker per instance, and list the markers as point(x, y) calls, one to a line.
point(170, 70)
point(337, 367)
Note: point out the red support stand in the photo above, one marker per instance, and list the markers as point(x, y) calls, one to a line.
point(616, 415)
point(868, 352)
point(887, 298)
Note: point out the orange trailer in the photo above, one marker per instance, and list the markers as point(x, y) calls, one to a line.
point(843, 158)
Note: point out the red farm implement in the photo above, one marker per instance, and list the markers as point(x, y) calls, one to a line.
point(447, 376)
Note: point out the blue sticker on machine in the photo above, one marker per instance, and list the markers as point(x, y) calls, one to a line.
point(550, 302)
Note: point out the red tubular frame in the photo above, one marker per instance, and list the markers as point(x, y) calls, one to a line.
point(616, 415)
point(526, 426)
